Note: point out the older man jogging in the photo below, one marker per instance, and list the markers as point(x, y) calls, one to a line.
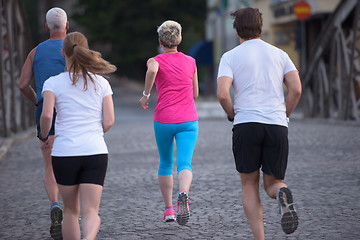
point(44, 61)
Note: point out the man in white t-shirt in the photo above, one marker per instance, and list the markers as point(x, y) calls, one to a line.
point(260, 114)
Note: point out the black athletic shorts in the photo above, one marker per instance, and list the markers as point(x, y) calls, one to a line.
point(258, 145)
point(80, 169)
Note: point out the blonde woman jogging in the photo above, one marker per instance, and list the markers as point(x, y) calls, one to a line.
point(175, 77)
point(85, 111)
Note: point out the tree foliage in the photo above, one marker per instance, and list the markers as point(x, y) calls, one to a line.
point(128, 28)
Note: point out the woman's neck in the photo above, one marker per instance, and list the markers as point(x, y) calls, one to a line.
point(170, 50)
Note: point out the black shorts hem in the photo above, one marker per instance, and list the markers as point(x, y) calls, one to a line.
point(74, 170)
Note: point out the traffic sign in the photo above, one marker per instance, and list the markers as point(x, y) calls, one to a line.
point(302, 10)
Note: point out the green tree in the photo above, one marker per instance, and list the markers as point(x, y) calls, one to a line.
point(128, 28)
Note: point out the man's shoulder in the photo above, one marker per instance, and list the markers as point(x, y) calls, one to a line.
point(270, 46)
point(43, 43)
point(49, 42)
point(231, 52)
point(31, 54)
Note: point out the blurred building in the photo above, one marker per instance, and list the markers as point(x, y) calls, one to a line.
point(321, 37)
point(289, 33)
point(280, 25)
point(219, 31)
point(219, 24)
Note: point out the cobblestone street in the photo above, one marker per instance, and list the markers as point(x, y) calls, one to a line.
point(323, 174)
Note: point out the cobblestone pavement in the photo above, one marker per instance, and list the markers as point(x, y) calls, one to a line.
point(323, 173)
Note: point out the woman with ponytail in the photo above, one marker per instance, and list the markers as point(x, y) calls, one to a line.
point(85, 111)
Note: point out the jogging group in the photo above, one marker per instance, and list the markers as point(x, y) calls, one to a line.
point(74, 109)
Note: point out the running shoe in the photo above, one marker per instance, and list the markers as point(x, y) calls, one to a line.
point(289, 218)
point(183, 212)
point(169, 215)
point(56, 215)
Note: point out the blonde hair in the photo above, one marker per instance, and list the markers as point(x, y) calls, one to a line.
point(170, 33)
point(84, 61)
point(56, 19)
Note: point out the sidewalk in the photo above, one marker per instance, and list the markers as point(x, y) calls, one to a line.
point(323, 173)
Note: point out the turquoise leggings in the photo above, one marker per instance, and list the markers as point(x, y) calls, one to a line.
point(185, 135)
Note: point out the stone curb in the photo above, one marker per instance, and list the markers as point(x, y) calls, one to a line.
point(6, 143)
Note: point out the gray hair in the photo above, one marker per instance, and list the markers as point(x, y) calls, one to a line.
point(169, 33)
point(56, 19)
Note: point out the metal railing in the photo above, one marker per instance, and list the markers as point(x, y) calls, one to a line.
point(331, 83)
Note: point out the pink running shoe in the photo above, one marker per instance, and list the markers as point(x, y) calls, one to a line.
point(183, 212)
point(169, 215)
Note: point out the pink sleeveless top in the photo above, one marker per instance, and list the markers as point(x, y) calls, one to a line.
point(174, 85)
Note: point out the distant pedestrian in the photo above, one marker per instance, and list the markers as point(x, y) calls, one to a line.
point(45, 61)
point(85, 111)
point(257, 71)
point(175, 77)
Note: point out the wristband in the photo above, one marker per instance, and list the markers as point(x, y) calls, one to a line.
point(43, 139)
point(231, 120)
point(148, 95)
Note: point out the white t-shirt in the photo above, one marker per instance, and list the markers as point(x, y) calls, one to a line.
point(78, 128)
point(257, 69)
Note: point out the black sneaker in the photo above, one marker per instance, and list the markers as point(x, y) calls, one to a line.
point(56, 215)
point(289, 218)
point(183, 212)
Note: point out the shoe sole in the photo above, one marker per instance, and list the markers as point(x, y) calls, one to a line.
point(289, 218)
point(170, 219)
point(183, 214)
point(56, 216)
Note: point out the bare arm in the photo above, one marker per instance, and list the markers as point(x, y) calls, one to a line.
point(108, 113)
point(293, 84)
point(195, 85)
point(223, 95)
point(26, 77)
point(47, 113)
point(153, 67)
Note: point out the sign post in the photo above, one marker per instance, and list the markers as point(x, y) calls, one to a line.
point(302, 11)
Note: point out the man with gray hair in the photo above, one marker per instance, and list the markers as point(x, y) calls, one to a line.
point(45, 61)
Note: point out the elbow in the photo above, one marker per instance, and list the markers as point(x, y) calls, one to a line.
point(297, 93)
point(151, 73)
point(111, 123)
point(46, 117)
point(22, 86)
point(107, 124)
point(300, 90)
point(196, 94)
point(221, 96)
